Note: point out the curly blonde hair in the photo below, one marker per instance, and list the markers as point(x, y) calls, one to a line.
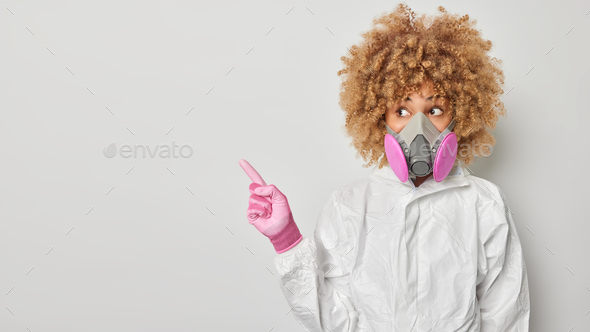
point(401, 52)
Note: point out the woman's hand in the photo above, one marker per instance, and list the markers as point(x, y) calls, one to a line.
point(269, 212)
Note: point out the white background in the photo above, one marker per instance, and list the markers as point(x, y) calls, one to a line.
point(163, 244)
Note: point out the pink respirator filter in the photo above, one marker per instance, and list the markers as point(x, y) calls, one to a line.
point(443, 161)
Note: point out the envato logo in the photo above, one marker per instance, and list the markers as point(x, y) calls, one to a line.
point(463, 150)
point(476, 150)
point(162, 151)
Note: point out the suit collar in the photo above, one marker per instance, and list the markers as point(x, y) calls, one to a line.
point(456, 178)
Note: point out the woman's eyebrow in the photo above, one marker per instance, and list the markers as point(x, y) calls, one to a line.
point(429, 98)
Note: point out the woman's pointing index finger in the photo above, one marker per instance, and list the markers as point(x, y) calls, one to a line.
point(251, 172)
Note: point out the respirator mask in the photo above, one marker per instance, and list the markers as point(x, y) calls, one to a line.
point(419, 148)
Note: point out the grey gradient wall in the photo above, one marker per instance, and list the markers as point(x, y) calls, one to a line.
point(132, 243)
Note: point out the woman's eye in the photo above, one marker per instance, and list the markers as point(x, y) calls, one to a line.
point(402, 112)
point(436, 111)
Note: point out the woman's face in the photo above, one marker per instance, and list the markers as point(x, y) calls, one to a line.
point(437, 111)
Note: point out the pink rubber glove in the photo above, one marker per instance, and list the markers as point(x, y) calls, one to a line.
point(270, 213)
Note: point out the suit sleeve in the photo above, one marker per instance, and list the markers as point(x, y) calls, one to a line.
point(502, 283)
point(315, 275)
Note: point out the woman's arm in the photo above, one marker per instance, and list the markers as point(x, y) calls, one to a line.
point(315, 276)
point(502, 283)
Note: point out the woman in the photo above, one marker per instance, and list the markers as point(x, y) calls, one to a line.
point(421, 244)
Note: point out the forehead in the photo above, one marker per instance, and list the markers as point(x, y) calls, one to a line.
point(429, 97)
point(424, 92)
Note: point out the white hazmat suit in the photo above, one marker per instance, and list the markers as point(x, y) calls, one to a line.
point(387, 256)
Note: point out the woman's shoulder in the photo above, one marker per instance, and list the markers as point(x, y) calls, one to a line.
point(357, 192)
point(353, 187)
point(352, 190)
point(487, 190)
